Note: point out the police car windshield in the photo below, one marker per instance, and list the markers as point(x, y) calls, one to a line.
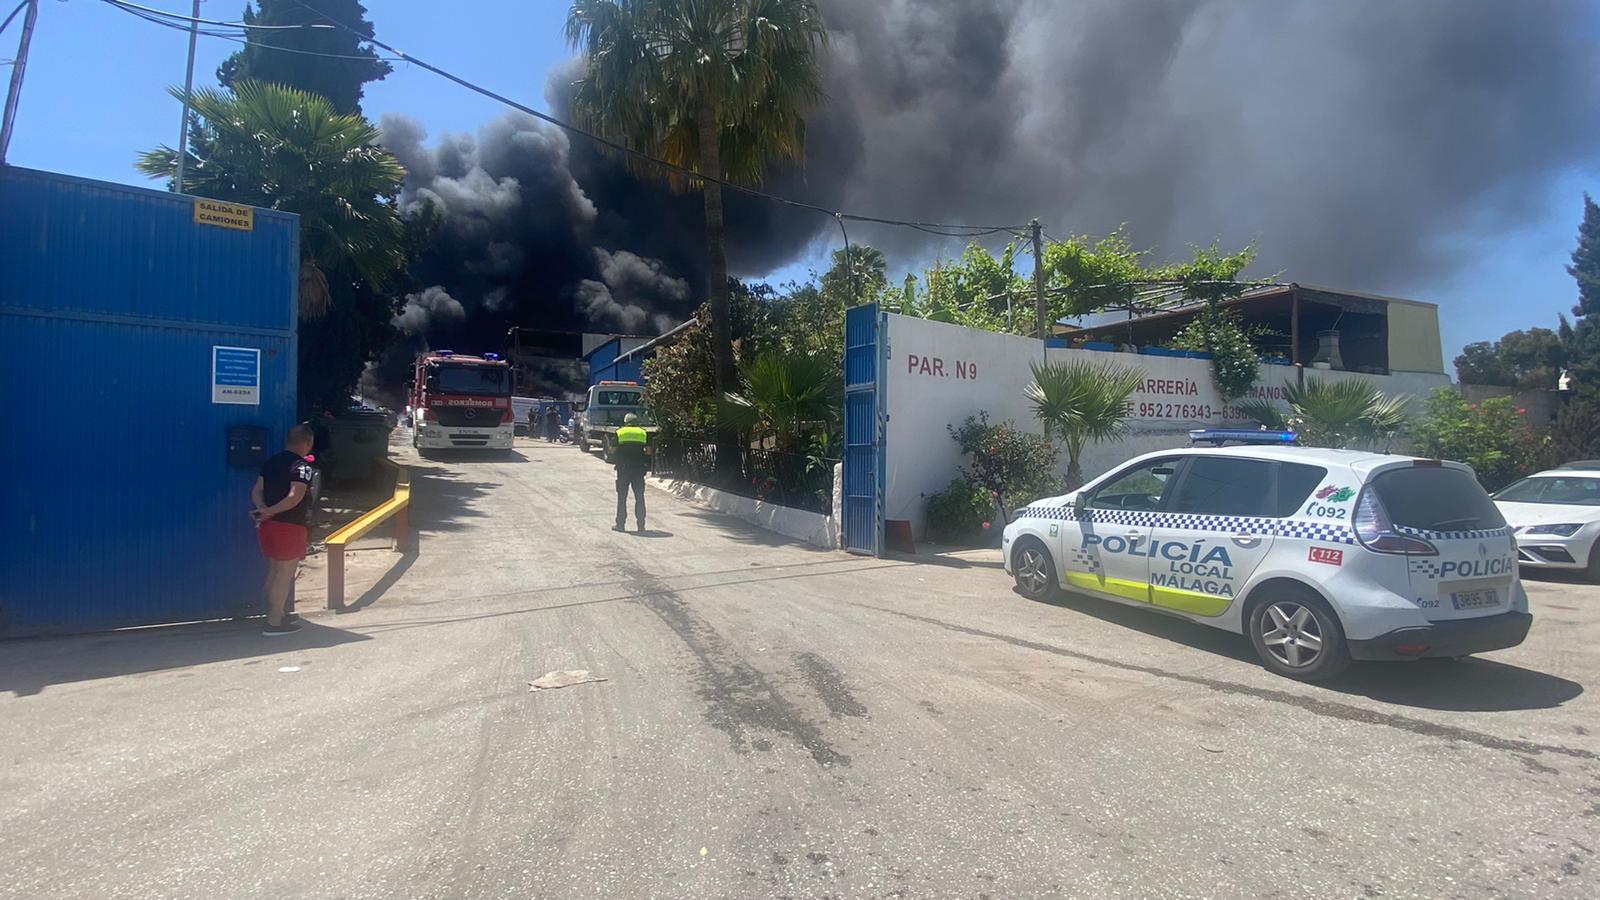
point(1558, 490)
point(1436, 498)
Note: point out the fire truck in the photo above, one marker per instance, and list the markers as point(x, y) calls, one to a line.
point(460, 402)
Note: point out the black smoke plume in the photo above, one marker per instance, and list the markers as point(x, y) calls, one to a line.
point(1363, 143)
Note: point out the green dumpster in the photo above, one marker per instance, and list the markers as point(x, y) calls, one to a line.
point(358, 441)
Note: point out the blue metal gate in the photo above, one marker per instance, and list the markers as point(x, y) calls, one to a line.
point(863, 430)
point(120, 504)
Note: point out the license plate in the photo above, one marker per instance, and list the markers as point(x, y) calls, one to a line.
point(1475, 599)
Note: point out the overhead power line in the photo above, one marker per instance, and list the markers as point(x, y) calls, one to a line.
point(131, 10)
point(966, 230)
point(182, 18)
point(13, 15)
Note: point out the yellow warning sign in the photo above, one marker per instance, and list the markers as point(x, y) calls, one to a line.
point(224, 215)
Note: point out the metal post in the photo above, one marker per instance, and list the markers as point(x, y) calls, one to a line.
point(188, 88)
point(336, 578)
point(1038, 279)
point(402, 530)
point(18, 66)
point(1294, 325)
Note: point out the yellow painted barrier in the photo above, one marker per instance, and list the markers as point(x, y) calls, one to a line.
point(397, 507)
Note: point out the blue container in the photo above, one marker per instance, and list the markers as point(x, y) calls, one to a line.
point(603, 364)
point(120, 507)
point(1099, 345)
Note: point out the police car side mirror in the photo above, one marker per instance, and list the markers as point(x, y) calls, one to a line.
point(1080, 500)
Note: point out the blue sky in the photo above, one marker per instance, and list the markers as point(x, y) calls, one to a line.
point(106, 72)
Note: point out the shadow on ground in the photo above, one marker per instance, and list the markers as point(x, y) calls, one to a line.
point(1554, 576)
point(441, 499)
point(1469, 685)
point(373, 594)
point(28, 666)
point(740, 531)
point(946, 557)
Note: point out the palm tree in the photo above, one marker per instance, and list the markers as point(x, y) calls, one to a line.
point(859, 274)
point(280, 148)
point(1081, 402)
point(716, 86)
point(1339, 414)
point(784, 396)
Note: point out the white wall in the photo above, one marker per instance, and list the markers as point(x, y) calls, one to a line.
point(939, 374)
point(1414, 344)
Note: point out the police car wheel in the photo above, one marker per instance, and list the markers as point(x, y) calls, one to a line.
point(1035, 574)
point(1592, 570)
point(1297, 636)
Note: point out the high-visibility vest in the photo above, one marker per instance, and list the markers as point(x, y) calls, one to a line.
point(632, 434)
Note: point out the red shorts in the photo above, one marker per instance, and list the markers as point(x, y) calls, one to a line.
point(282, 541)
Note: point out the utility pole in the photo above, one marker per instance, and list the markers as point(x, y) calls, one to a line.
point(188, 87)
point(1038, 280)
point(18, 66)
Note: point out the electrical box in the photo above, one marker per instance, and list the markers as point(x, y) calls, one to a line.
point(247, 446)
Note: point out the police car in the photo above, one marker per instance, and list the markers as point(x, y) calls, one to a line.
point(1318, 556)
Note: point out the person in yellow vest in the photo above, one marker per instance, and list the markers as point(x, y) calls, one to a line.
point(632, 460)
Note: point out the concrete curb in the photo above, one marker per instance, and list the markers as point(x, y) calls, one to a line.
point(808, 527)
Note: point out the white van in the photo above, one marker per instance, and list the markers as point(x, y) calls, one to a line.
point(1319, 556)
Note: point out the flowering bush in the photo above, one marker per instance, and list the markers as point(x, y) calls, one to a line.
point(1234, 363)
point(1015, 467)
point(1492, 437)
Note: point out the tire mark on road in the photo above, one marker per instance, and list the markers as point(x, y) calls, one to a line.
point(739, 699)
point(1330, 708)
point(829, 685)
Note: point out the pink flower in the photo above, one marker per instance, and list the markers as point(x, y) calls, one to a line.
point(1522, 410)
point(986, 525)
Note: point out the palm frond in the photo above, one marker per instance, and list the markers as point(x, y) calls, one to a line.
point(280, 148)
point(647, 64)
point(1265, 413)
point(784, 395)
point(1081, 403)
point(1345, 412)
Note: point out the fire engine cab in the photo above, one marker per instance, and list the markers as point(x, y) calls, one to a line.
point(461, 402)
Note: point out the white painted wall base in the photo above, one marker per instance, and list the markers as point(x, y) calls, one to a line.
point(812, 528)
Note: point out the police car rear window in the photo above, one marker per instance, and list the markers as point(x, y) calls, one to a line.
point(1436, 498)
point(1296, 481)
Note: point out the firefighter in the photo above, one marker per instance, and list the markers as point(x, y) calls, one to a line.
point(632, 459)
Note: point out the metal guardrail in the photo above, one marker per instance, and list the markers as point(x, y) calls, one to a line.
point(397, 507)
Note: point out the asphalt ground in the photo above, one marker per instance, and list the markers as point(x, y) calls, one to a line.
point(775, 721)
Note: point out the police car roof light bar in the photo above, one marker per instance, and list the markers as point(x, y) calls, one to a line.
point(1220, 436)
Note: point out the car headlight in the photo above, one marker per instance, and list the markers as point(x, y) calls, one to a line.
point(1565, 529)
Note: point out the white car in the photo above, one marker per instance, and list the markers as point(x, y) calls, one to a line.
point(1556, 518)
point(1319, 556)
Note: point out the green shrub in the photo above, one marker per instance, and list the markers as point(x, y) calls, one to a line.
point(1220, 332)
point(957, 514)
point(1014, 466)
point(1492, 437)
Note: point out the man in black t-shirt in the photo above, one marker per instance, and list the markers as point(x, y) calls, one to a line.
point(282, 500)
